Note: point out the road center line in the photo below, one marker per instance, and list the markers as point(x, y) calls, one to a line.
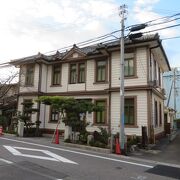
point(81, 153)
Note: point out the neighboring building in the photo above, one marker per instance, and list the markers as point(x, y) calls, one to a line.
point(169, 116)
point(172, 90)
point(8, 101)
point(93, 72)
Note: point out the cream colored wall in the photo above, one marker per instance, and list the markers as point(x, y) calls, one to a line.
point(90, 78)
point(159, 128)
point(44, 77)
point(45, 115)
point(142, 112)
point(141, 68)
point(65, 86)
point(20, 106)
point(34, 88)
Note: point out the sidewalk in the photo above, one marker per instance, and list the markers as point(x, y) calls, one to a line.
point(164, 150)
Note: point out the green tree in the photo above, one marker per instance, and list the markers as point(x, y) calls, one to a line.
point(72, 111)
point(26, 114)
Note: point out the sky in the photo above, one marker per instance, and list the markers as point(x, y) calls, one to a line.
point(29, 27)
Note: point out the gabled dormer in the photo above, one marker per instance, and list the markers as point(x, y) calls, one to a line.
point(74, 53)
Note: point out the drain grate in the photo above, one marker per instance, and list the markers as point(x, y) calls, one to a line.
point(167, 171)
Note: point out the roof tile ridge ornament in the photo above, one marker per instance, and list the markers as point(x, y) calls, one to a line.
point(39, 55)
point(77, 49)
point(75, 46)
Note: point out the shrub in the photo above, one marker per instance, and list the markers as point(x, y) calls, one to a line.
point(83, 137)
point(100, 139)
point(67, 140)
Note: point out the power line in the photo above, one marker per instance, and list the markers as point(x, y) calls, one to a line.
point(162, 28)
point(175, 37)
point(102, 37)
point(171, 20)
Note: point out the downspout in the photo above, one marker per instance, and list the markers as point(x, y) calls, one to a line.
point(109, 93)
point(150, 124)
point(18, 91)
point(45, 105)
point(39, 90)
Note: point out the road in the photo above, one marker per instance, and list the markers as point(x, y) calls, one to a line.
point(24, 159)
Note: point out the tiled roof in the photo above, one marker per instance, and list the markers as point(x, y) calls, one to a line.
point(92, 49)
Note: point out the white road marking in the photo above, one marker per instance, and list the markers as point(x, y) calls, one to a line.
point(81, 153)
point(139, 177)
point(53, 157)
point(6, 161)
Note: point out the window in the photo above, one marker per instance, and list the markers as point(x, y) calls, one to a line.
point(100, 116)
point(129, 67)
point(101, 71)
point(155, 70)
point(160, 114)
point(129, 111)
point(81, 78)
point(54, 115)
point(77, 73)
point(72, 73)
point(155, 113)
point(159, 74)
point(56, 77)
point(29, 81)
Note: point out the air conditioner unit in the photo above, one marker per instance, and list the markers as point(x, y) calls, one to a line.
point(163, 91)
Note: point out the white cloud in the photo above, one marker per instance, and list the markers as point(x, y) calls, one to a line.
point(143, 12)
point(42, 25)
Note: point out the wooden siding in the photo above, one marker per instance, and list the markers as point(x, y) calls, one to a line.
point(45, 115)
point(64, 80)
point(44, 76)
point(140, 68)
point(142, 114)
point(20, 106)
point(159, 128)
point(33, 88)
point(76, 87)
point(90, 78)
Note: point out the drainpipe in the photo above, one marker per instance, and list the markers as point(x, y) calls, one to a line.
point(39, 90)
point(151, 108)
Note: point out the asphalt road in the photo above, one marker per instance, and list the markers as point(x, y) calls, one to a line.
point(25, 159)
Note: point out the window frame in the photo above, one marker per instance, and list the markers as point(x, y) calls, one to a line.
point(53, 74)
point(77, 73)
point(134, 68)
point(105, 112)
point(79, 70)
point(155, 113)
point(50, 115)
point(134, 98)
point(106, 71)
point(28, 67)
point(160, 113)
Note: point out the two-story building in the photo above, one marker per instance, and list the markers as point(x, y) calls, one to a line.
point(93, 73)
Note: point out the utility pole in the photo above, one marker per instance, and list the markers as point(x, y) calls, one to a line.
point(174, 79)
point(122, 135)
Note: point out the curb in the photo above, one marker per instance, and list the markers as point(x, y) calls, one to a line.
point(8, 134)
point(96, 149)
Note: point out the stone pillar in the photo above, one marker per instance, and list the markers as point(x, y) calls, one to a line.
point(67, 132)
point(20, 129)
